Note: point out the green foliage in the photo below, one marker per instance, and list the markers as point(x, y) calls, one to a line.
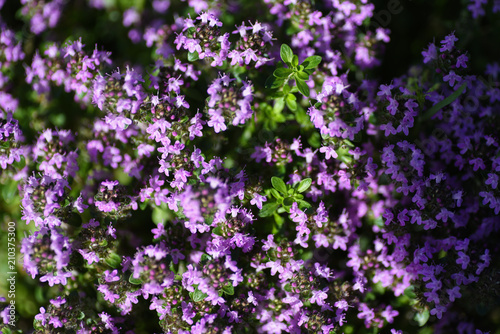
point(284, 196)
point(298, 72)
point(422, 317)
point(197, 295)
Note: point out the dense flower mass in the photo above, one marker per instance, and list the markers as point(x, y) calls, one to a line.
point(209, 166)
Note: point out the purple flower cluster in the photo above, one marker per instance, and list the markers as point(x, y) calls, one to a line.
point(161, 204)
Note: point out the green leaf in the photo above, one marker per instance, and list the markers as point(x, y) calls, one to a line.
point(228, 289)
point(288, 287)
point(309, 71)
point(303, 88)
point(205, 258)
point(198, 296)
point(304, 185)
point(278, 106)
point(159, 215)
point(438, 106)
point(276, 95)
point(143, 205)
point(303, 204)
point(409, 292)
point(314, 140)
point(193, 56)
point(275, 193)
point(295, 61)
point(135, 281)
point(301, 76)
point(311, 62)
point(113, 260)
point(288, 201)
point(268, 209)
point(279, 185)
point(286, 54)
point(217, 230)
point(282, 72)
point(286, 89)
point(278, 219)
point(269, 81)
point(275, 83)
point(291, 102)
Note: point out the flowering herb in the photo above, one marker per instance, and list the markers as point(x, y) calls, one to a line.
point(179, 184)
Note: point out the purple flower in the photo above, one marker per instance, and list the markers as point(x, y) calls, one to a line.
point(275, 267)
point(257, 200)
point(462, 61)
point(438, 311)
point(111, 276)
point(91, 257)
point(389, 314)
point(319, 296)
point(448, 43)
point(107, 206)
point(454, 293)
point(430, 54)
point(42, 316)
point(451, 78)
point(463, 259)
point(389, 129)
point(444, 214)
point(329, 152)
point(385, 90)
point(477, 164)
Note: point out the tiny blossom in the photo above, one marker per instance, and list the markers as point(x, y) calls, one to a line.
point(430, 54)
point(257, 200)
point(451, 78)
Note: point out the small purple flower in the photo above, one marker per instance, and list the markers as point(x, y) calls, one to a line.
point(257, 200)
point(111, 276)
point(444, 214)
point(91, 257)
point(42, 316)
point(329, 152)
point(319, 296)
point(454, 293)
point(462, 61)
point(451, 78)
point(430, 54)
point(385, 90)
point(477, 164)
point(438, 311)
point(463, 259)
